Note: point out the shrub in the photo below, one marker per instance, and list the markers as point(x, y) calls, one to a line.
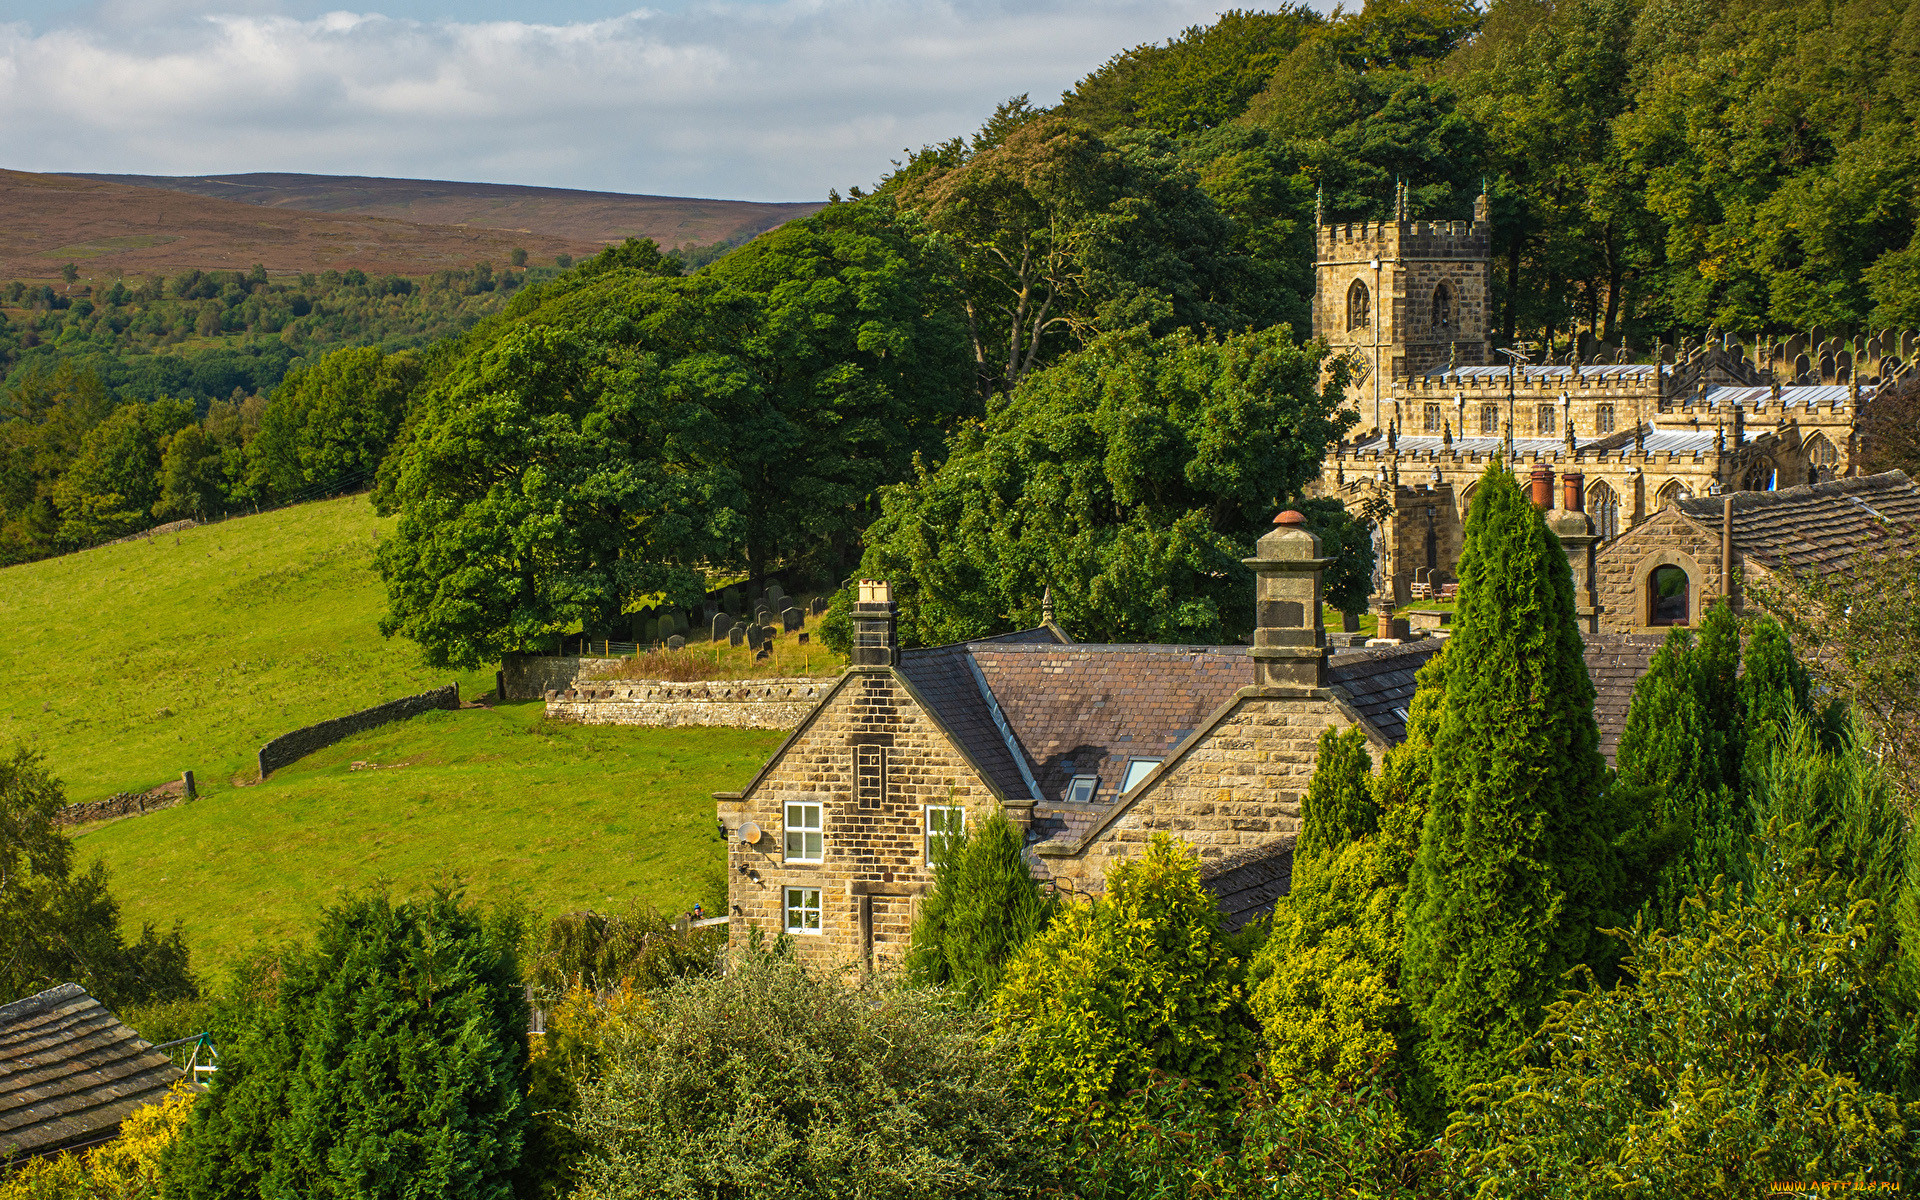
point(638, 948)
point(1339, 806)
point(768, 1082)
point(984, 906)
point(1138, 981)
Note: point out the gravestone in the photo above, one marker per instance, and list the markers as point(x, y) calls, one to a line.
point(766, 635)
point(676, 642)
point(819, 605)
point(721, 624)
point(762, 654)
point(731, 599)
point(647, 630)
point(803, 639)
point(791, 620)
point(762, 615)
point(737, 635)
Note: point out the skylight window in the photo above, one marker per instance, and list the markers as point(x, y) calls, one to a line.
point(1081, 790)
point(1137, 769)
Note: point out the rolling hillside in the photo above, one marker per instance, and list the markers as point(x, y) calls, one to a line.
point(564, 213)
point(112, 229)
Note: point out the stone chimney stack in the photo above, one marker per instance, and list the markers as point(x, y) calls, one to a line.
point(1574, 528)
point(1289, 643)
point(874, 642)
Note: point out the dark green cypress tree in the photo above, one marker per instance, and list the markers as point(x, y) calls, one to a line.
point(1716, 673)
point(1517, 869)
point(390, 1063)
point(1339, 805)
point(983, 907)
point(1772, 691)
point(1665, 748)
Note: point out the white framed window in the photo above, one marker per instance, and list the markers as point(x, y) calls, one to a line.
point(1081, 790)
point(1137, 769)
point(806, 839)
point(945, 823)
point(803, 910)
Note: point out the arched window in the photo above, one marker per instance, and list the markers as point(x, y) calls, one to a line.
point(1442, 307)
point(1604, 505)
point(1672, 493)
point(1359, 306)
point(1669, 596)
point(1760, 476)
point(1821, 459)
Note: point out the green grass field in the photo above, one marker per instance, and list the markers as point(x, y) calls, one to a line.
point(557, 816)
point(129, 664)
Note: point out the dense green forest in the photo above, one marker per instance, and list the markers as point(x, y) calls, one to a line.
point(1655, 169)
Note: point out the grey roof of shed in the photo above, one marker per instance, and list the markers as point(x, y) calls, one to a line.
point(70, 1072)
point(1817, 525)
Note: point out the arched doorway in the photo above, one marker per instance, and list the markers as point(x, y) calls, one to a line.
point(1669, 596)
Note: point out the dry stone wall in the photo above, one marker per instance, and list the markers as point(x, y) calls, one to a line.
point(122, 804)
point(291, 747)
point(532, 676)
point(741, 703)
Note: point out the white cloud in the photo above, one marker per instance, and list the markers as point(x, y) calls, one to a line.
point(763, 101)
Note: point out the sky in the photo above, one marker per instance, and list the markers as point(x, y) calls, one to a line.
point(741, 99)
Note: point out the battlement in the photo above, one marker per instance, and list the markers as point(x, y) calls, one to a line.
point(1404, 239)
point(1489, 384)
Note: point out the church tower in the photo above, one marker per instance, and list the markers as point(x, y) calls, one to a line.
point(1402, 298)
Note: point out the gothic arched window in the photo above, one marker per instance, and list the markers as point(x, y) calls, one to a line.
point(1604, 504)
point(1442, 307)
point(1673, 493)
point(1669, 601)
point(1359, 306)
point(1821, 459)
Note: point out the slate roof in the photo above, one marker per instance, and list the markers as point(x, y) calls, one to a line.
point(1615, 665)
point(70, 1072)
point(1817, 525)
point(1246, 884)
point(1379, 681)
point(945, 682)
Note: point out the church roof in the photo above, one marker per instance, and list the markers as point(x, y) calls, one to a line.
point(1818, 526)
point(70, 1073)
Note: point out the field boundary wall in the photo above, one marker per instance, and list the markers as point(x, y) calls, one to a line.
point(291, 747)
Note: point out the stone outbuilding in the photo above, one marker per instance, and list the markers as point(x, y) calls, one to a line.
point(70, 1073)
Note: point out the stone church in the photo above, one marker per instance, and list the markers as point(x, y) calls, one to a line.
point(1409, 305)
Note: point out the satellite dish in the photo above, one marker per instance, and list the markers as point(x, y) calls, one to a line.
point(749, 833)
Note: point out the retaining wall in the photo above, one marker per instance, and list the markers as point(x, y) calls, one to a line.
point(290, 747)
point(741, 703)
point(532, 676)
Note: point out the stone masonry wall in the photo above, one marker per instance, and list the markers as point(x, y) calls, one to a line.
point(1240, 786)
point(1622, 564)
point(741, 703)
point(874, 867)
point(290, 747)
point(532, 676)
point(123, 804)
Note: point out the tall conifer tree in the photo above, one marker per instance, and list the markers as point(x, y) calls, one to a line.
point(1516, 870)
point(1339, 806)
point(983, 907)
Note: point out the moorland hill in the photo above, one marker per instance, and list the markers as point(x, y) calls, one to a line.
point(111, 230)
point(565, 213)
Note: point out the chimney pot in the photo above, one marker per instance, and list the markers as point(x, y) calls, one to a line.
point(1574, 491)
point(1290, 517)
point(1542, 486)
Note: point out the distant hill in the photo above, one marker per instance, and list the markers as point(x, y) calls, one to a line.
point(112, 229)
point(599, 217)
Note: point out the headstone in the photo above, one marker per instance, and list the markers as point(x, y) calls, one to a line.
point(766, 635)
point(676, 642)
point(647, 631)
point(775, 591)
point(721, 624)
point(762, 615)
point(762, 654)
point(803, 639)
point(792, 619)
point(731, 599)
point(737, 635)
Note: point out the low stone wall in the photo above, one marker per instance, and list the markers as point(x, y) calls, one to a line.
point(290, 747)
point(532, 676)
point(741, 703)
point(122, 804)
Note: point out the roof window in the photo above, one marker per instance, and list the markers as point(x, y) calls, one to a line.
point(1081, 790)
point(1137, 769)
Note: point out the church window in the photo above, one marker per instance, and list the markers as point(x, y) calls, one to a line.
point(1668, 596)
point(1603, 503)
point(1489, 420)
point(1673, 493)
point(1603, 418)
point(1545, 426)
point(1430, 419)
point(1442, 307)
point(1359, 306)
point(1760, 477)
point(1821, 459)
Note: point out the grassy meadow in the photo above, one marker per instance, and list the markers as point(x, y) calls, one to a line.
point(129, 664)
point(557, 816)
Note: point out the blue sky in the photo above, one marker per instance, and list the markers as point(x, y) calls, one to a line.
point(747, 99)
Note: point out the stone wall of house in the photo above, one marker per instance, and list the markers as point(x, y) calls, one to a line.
point(532, 676)
point(741, 703)
point(1239, 786)
point(1621, 567)
point(874, 868)
point(290, 747)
